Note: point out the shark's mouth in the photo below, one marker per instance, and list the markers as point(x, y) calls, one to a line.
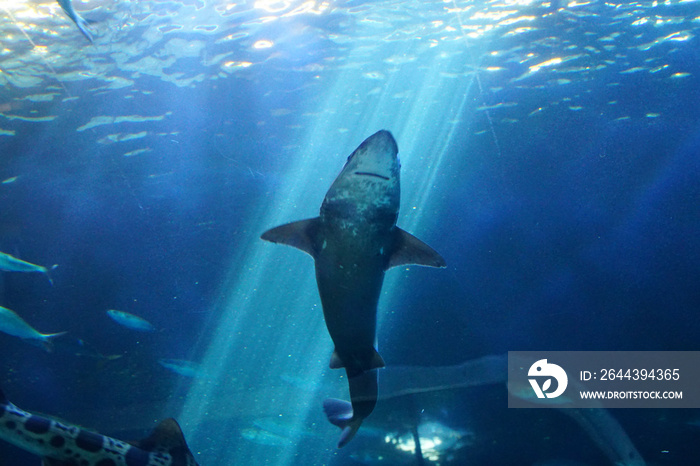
point(373, 174)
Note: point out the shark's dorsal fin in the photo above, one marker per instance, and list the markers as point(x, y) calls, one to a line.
point(296, 234)
point(165, 437)
point(410, 250)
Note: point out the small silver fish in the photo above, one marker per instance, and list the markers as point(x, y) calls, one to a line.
point(182, 367)
point(130, 321)
point(10, 263)
point(262, 437)
point(67, 7)
point(14, 325)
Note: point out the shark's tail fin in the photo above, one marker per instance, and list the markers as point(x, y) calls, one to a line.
point(339, 413)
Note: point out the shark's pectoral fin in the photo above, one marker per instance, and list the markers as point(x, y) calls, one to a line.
point(296, 234)
point(410, 250)
point(375, 362)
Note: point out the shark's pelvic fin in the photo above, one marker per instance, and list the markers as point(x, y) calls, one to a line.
point(409, 250)
point(296, 234)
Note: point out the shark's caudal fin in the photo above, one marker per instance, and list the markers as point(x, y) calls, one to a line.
point(339, 413)
point(296, 234)
point(410, 250)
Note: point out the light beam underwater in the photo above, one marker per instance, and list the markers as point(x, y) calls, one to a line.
point(256, 338)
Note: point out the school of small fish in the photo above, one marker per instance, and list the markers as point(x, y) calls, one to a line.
point(565, 48)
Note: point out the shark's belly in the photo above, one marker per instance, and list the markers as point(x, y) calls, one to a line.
point(349, 292)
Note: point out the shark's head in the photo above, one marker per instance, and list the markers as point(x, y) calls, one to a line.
point(368, 185)
point(377, 157)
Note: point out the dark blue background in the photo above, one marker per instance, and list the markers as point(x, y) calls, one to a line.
point(570, 230)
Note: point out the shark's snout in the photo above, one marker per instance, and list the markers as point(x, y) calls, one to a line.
point(382, 140)
point(376, 157)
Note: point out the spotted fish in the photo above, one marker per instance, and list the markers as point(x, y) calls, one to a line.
point(61, 444)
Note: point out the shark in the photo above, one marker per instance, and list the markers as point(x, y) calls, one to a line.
point(67, 7)
point(62, 444)
point(353, 242)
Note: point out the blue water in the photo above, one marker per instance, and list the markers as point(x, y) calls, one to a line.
point(550, 153)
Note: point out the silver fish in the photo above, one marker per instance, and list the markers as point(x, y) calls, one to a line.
point(10, 263)
point(14, 325)
point(182, 367)
point(130, 321)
